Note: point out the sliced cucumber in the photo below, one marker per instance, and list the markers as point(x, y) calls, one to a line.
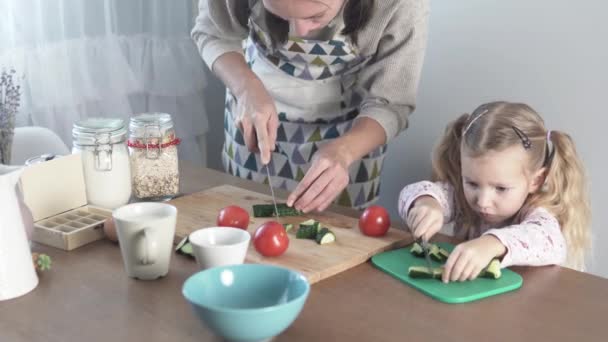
point(307, 232)
point(435, 252)
point(492, 270)
point(417, 250)
point(184, 247)
point(308, 229)
point(423, 272)
point(310, 222)
point(325, 236)
point(444, 253)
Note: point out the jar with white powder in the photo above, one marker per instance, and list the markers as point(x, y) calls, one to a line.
point(105, 160)
point(153, 152)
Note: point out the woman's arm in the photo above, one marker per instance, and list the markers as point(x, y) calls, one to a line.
point(217, 29)
point(388, 84)
point(219, 35)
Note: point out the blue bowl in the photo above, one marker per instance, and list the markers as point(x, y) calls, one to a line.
point(247, 302)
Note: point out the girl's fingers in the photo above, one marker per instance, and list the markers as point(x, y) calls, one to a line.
point(467, 271)
point(447, 268)
point(475, 272)
point(411, 218)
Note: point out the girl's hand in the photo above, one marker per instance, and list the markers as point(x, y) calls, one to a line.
point(257, 119)
point(469, 258)
point(325, 180)
point(425, 218)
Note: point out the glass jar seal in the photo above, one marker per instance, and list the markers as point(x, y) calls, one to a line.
point(152, 132)
point(100, 134)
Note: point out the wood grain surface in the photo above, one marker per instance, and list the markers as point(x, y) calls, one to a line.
point(315, 261)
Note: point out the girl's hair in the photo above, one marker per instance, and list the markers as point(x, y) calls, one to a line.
point(356, 15)
point(497, 125)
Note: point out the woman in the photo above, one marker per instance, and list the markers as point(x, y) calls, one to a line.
point(318, 89)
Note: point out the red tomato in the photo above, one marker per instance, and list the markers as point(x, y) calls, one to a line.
point(270, 239)
point(233, 216)
point(374, 221)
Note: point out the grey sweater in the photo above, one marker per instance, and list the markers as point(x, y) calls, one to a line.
point(393, 43)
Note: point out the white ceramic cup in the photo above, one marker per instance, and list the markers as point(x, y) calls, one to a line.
point(219, 246)
point(145, 233)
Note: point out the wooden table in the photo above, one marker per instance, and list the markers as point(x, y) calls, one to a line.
point(88, 297)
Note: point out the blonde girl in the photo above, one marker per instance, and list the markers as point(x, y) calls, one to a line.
point(514, 190)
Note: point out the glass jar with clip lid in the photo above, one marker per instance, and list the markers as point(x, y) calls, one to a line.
point(105, 160)
point(153, 153)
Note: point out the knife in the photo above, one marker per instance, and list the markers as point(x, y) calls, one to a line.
point(425, 248)
point(274, 200)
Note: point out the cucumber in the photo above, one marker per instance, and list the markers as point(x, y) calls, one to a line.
point(444, 253)
point(267, 210)
point(308, 229)
point(492, 270)
point(435, 252)
point(288, 227)
point(184, 247)
point(325, 236)
point(417, 250)
point(307, 232)
point(423, 272)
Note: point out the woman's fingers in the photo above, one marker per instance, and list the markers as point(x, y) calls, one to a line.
point(249, 135)
point(318, 193)
point(273, 126)
point(313, 173)
point(324, 190)
point(261, 131)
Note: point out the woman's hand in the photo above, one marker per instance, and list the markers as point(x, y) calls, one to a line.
point(425, 218)
point(325, 180)
point(469, 258)
point(257, 119)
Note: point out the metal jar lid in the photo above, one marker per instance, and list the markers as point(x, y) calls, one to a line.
point(99, 131)
point(150, 125)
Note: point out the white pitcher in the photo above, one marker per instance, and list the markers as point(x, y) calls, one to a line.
point(17, 273)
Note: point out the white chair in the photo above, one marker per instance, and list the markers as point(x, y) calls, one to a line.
point(34, 141)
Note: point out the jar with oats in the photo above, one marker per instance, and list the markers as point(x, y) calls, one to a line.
point(153, 154)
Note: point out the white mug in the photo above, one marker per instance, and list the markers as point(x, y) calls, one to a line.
point(145, 233)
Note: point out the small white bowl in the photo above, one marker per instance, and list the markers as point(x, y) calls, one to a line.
point(219, 246)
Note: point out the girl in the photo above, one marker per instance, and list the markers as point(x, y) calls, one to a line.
point(513, 189)
point(319, 89)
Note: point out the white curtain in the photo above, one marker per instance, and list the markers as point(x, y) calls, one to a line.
point(105, 58)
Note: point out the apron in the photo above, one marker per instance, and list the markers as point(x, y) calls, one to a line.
point(310, 81)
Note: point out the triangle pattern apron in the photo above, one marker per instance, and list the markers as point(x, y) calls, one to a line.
point(305, 78)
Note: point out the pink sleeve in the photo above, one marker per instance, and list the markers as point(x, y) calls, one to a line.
point(536, 241)
point(441, 191)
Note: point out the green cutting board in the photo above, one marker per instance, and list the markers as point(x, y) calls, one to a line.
point(397, 262)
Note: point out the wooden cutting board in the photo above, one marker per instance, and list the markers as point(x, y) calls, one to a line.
point(315, 261)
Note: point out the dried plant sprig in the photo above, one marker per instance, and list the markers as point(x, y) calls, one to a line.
point(10, 97)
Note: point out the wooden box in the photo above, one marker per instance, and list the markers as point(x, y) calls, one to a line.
point(55, 193)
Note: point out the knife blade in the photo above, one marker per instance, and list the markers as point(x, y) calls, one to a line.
point(274, 200)
point(425, 248)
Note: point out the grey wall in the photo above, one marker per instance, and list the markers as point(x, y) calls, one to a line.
point(549, 54)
